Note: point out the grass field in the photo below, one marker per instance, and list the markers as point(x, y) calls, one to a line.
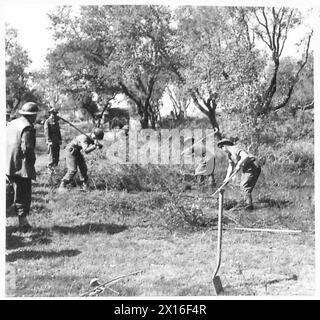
point(169, 240)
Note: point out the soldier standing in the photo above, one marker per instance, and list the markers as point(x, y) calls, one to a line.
point(75, 159)
point(20, 169)
point(53, 138)
point(238, 159)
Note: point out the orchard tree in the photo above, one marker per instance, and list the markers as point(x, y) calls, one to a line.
point(16, 62)
point(255, 102)
point(180, 101)
point(118, 49)
point(272, 27)
point(224, 64)
point(218, 56)
point(302, 96)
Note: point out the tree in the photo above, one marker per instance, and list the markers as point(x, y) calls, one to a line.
point(16, 62)
point(224, 63)
point(116, 48)
point(217, 56)
point(255, 103)
point(180, 101)
point(302, 94)
point(272, 28)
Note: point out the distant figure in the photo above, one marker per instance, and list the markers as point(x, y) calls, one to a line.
point(75, 159)
point(206, 166)
point(238, 159)
point(53, 138)
point(21, 158)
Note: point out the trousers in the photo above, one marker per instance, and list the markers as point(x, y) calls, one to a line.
point(74, 161)
point(54, 154)
point(249, 177)
point(22, 194)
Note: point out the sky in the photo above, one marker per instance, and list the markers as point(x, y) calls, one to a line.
point(29, 17)
point(32, 24)
point(31, 20)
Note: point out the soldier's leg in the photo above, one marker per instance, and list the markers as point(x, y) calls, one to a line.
point(55, 154)
point(51, 159)
point(83, 169)
point(248, 181)
point(71, 162)
point(22, 199)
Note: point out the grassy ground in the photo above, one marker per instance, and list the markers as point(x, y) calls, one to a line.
point(168, 239)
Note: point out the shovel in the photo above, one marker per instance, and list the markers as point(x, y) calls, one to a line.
point(224, 184)
point(216, 279)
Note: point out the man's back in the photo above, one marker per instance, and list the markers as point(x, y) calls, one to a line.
point(17, 162)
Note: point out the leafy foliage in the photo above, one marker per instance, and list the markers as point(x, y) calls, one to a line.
point(17, 61)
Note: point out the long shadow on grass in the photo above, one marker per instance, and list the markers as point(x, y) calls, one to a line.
point(90, 228)
point(34, 255)
point(87, 228)
point(14, 241)
point(42, 235)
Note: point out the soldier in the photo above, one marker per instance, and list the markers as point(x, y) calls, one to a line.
point(238, 159)
point(75, 159)
point(206, 166)
point(53, 138)
point(20, 169)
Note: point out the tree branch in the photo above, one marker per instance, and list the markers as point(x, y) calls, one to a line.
point(296, 77)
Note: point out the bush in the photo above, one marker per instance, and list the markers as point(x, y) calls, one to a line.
point(291, 156)
point(133, 177)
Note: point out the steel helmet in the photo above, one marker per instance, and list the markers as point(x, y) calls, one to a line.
point(29, 108)
point(98, 133)
point(223, 142)
point(53, 110)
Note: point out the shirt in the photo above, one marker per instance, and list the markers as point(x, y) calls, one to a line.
point(21, 140)
point(81, 142)
point(52, 131)
point(237, 153)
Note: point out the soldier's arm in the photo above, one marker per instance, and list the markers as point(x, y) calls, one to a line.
point(90, 148)
point(243, 158)
point(229, 170)
point(27, 145)
point(59, 134)
point(87, 144)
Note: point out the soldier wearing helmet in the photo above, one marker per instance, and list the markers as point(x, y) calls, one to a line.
point(20, 164)
point(75, 158)
point(240, 159)
point(53, 138)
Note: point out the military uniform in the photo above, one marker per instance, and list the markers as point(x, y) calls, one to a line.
point(206, 166)
point(53, 140)
point(75, 159)
point(250, 170)
point(20, 169)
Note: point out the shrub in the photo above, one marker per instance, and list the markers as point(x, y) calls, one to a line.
point(298, 155)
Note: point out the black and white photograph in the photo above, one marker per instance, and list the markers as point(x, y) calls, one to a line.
point(159, 149)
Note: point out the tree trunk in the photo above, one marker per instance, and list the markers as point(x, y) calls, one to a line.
point(145, 119)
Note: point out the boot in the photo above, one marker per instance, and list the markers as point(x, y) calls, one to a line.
point(248, 200)
point(24, 224)
point(62, 187)
point(84, 186)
